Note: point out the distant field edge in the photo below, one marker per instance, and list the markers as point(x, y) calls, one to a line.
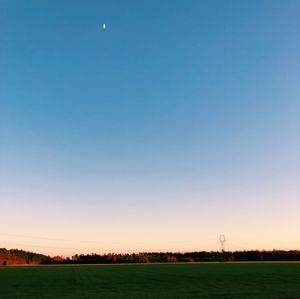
point(139, 264)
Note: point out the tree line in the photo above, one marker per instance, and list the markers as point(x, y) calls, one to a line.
point(18, 257)
point(21, 257)
point(170, 257)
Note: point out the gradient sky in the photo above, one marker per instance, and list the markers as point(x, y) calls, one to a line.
point(178, 122)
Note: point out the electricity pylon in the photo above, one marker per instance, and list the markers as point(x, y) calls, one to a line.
point(222, 241)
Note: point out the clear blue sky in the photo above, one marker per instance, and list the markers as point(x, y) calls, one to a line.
point(178, 122)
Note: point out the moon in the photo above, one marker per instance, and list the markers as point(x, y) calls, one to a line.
point(104, 26)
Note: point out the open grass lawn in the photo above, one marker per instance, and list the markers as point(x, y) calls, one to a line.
point(216, 280)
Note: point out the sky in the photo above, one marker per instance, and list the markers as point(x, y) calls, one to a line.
point(176, 123)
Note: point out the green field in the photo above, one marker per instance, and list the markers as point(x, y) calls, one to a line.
point(215, 280)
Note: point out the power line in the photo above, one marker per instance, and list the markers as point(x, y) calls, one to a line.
point(97, 242)
point(94, 250)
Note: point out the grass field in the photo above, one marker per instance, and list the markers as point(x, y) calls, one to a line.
point(216, 280)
